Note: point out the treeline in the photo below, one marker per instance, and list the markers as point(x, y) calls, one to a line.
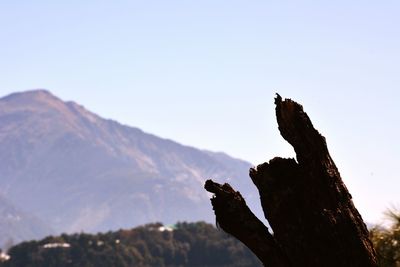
point(185, 244)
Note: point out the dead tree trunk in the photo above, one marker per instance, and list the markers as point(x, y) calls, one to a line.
point(306, 203)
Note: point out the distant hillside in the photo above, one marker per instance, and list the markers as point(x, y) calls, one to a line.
point(187, 244)
point(79, 172)
point(17, 225)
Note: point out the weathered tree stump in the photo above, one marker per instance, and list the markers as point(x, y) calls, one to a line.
point(305, 201)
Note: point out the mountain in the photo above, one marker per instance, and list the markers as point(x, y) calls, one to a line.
point(17, 225)
point(80, 172)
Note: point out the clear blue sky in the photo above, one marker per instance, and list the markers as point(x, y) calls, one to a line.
point(204, 73)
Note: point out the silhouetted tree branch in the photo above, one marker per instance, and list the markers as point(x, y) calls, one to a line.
point(236, 218)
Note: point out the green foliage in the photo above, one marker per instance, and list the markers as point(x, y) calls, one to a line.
point(387, 241)
point(188, 244)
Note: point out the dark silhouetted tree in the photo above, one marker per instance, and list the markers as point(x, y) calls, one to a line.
point(305, 201)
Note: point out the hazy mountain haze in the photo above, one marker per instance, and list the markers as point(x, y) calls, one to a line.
point(79, 172)
point(17, 225)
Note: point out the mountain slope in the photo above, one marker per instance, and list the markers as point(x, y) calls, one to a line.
point(81, 172)
point(17, 225)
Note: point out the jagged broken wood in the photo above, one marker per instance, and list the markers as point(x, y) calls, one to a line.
point(305, 201)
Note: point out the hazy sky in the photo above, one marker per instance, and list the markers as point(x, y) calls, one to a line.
point(204, 73)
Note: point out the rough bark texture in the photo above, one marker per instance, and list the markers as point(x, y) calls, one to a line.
point(305, 201)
